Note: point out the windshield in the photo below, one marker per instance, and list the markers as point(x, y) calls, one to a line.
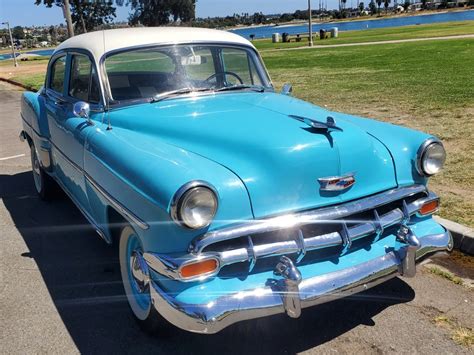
point(180, 69)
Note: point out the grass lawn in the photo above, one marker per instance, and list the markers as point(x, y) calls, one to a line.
point(377, 35)
point(30, 73)
point(425, 85)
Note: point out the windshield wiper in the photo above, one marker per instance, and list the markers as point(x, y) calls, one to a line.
point(257, 88)
point(183, 91)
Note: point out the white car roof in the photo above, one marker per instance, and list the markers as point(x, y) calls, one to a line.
point(101, 42)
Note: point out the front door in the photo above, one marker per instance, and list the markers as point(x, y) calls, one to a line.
point(72, 79)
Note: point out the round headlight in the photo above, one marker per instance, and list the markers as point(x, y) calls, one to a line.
point(432, 158)
point(196, 207)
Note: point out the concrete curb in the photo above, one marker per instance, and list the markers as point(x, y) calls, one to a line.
point(13, 82)
point(463, 236)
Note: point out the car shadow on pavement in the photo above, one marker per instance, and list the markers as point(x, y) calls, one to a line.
point(82, 276)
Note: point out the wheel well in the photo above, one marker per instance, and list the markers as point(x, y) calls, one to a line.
point(115, 223)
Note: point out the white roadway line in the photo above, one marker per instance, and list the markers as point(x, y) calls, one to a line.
point(13, 157)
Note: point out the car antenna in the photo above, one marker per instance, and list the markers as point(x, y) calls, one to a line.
point(107, 103)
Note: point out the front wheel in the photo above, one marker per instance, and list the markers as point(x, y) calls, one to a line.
point(44, 184)
point(135, 279)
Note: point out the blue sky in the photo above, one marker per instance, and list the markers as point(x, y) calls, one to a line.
point(26, 13)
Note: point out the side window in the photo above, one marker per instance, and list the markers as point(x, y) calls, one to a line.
point(140, 74)
point(83, 84)
point(239, 62)
point(58, 69)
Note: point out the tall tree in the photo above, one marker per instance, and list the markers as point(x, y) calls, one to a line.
point(86, 15)
point(17, 32)
point(159, 12)
point(386, 4)
point(372, 7)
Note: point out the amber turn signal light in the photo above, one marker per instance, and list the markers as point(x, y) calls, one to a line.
point(429, 207)
point(199, 268)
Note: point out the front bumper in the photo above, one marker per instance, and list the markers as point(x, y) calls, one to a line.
point(277, 297)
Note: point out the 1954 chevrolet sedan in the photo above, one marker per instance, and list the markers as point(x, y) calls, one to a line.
point(229, 201)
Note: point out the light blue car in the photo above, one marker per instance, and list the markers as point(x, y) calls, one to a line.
point(229, 201)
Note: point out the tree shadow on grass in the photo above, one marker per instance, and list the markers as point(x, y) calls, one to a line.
point(82, 275)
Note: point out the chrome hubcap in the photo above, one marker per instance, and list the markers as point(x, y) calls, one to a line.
point(140, 273)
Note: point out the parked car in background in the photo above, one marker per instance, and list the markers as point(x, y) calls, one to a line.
point(229, 200)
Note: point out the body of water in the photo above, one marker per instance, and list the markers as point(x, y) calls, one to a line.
point(267, 31)
point(43, 52)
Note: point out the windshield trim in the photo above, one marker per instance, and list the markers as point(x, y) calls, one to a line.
point(115, 103)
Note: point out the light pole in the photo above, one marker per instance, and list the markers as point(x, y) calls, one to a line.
point(11, 41)
point(310, 24)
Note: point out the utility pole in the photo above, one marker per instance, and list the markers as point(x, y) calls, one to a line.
point(11, 41)
point(310, 24)
point(67, 16)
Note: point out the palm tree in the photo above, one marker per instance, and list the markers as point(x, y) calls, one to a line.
point(344, 2)
point(386, 3)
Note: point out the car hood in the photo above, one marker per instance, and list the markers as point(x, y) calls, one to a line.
point(278, 158)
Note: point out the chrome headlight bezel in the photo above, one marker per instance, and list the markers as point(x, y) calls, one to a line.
point(421, 157)
point(176, 210)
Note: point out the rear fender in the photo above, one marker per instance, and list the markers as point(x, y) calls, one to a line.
point(35, 125)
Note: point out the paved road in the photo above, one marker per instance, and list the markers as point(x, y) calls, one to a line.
point(60, 290)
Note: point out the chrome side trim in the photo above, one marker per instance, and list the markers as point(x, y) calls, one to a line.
point(117, 205)
point(168, 265)
point(234, 307)
point(302, 218)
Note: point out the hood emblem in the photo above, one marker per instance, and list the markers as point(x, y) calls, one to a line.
point(337, 183)
point(329, 125)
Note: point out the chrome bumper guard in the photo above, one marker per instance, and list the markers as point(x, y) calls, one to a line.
point(170, 265)
point(288, 293)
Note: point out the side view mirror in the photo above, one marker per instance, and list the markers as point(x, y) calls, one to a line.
point(287, 89)
point(82, 109)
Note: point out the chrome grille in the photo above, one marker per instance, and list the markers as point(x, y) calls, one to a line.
point(312, 233)
point(299, 234)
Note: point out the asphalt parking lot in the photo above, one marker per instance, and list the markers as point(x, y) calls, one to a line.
point(60, 290)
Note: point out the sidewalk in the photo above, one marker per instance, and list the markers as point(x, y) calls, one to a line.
point(372, 43)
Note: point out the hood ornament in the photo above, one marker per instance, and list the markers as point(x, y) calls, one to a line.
point(329, 126)
point(337, 183)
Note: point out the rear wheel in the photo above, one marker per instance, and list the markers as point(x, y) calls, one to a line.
point(44, 184)
point(135, 278)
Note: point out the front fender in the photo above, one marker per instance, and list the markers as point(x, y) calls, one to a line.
point(143, 173)
point(403, 144)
